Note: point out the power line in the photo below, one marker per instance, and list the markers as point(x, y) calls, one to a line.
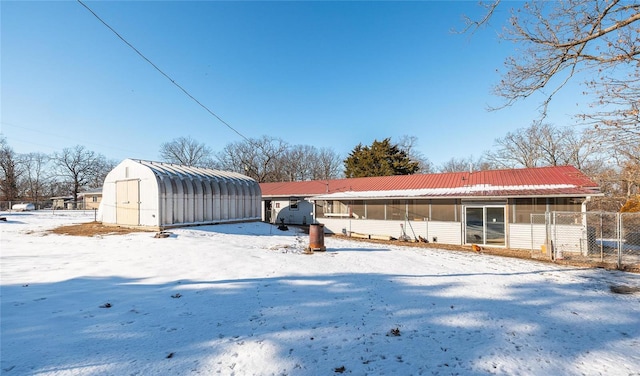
point(163, 73)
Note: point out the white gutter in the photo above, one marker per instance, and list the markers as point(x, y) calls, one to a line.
point(460, 192)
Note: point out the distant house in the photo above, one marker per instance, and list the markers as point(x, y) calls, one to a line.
point(62, 202)
point(493, 208)
point(91, 198)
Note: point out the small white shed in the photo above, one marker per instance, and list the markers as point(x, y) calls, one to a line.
point(163, 195)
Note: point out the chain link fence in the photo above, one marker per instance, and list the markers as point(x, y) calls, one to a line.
point(540, 233)
point(592, 237)
point(630, 239)
point(48, 205)
point(8, 205)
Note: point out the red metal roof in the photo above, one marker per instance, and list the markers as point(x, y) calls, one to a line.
point(542, 181)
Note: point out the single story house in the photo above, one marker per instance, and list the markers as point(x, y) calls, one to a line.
point(62, 202)
point(491, 208)
point(161, 195)
point(91, 198)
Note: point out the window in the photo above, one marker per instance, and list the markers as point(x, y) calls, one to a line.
point(566, 204)
point(524, 207)
point(94, 199)
point(418, 210)
point(358, 210)
point(335, 208)
point(293, 204)
point(443, 210)
point(396, 209)
point(376, 209)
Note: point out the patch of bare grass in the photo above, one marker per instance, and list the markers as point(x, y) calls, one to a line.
point(93, 229)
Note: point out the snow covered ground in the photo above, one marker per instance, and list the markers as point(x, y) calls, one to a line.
point(243, 299)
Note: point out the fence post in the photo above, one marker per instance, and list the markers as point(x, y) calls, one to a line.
point(619, 231)
point(531, 231)
point(601, 238)
point(549, 240)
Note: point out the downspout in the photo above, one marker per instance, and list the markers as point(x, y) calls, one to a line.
point(584, 204)
point(585, 225)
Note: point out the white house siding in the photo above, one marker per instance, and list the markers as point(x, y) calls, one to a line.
point(569, 239)
point(281, 209)
point(520, 236)
point(335, 225)
point(444, 232)
point(365, 227)
point(377, 227)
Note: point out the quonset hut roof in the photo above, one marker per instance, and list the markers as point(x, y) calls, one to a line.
point(174, 170)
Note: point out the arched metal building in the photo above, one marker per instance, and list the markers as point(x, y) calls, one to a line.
point(162, 195)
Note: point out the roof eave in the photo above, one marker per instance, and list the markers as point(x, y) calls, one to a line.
point(461, 197)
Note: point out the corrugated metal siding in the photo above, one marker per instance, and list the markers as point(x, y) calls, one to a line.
point(173, 195)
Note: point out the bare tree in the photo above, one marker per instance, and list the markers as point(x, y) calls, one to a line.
point(305, 162)
point(296, 163)
point(327, 164)
point(78, 167)
point(618, 181)
point(583, 151)
point(269, 159)
point(544, 145)
point(255, 158)
point(594, 41)
point(517, 149)
point(102, 168)
point(562, 38)
point(564, 146)
point(36, 174)
point(186, 151)
point(10, 170)
point(409, 145)
point(617, 118)
point(464, 164)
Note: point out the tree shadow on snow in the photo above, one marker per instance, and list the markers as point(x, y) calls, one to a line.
point(363, 249)
point(9, 220)
point(308, 325)
point(14, 217)
point(248, 228)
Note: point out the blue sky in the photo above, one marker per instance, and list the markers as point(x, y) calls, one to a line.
point(327, 74)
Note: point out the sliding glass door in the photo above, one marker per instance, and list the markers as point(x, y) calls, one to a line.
point(485, 225)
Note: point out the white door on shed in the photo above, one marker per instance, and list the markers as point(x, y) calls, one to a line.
point(128, 202)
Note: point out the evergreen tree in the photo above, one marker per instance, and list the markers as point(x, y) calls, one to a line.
point(382, 158)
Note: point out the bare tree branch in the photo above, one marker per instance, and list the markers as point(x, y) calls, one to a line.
point(186, 151)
